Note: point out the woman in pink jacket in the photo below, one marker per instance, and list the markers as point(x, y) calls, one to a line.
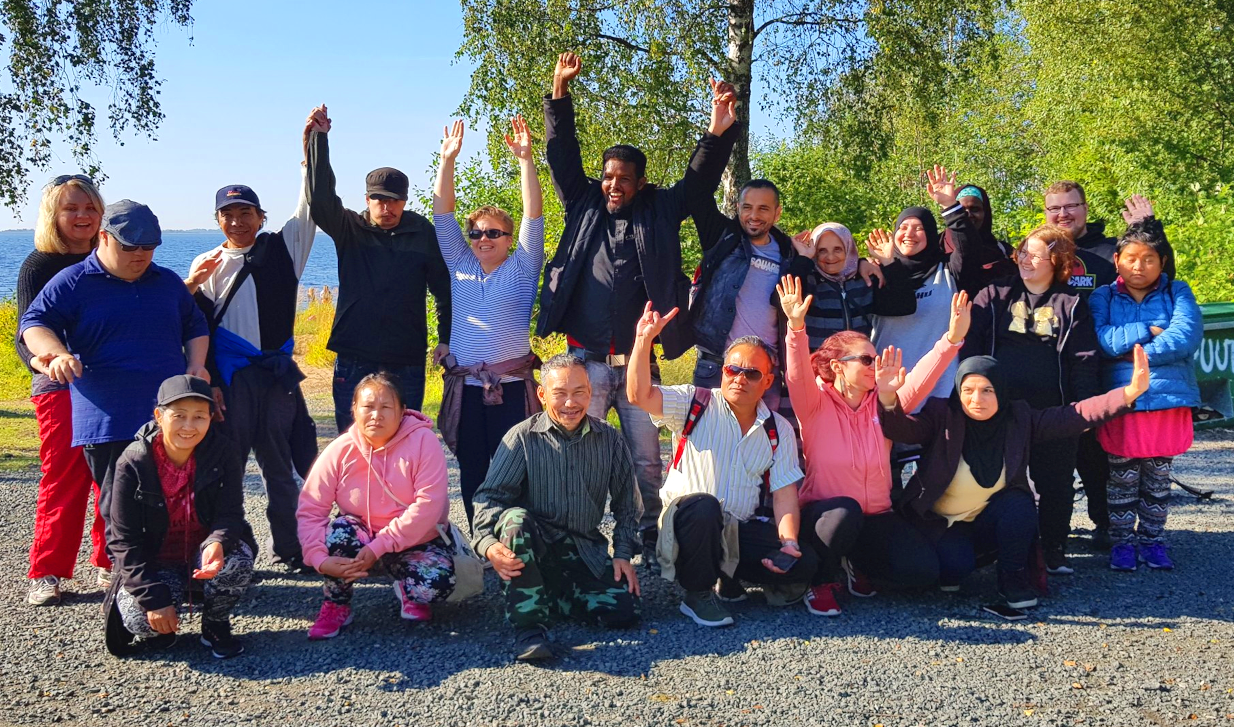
point(846, 495)
point(387, 475)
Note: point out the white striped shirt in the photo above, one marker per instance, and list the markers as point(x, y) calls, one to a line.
point(719, 459)
point(491, 319)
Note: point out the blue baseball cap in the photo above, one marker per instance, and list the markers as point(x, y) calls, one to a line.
point(236, 194)
point(132, 223)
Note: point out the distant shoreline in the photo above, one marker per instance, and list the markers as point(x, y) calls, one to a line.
point(194, 231)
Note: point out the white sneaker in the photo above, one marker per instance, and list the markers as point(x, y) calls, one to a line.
point(44, 591)
point(103, 579)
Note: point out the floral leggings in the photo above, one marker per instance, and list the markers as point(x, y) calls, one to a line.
point(220, 592)
point(426, 571)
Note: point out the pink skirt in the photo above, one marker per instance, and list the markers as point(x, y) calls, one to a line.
point(1164, 433)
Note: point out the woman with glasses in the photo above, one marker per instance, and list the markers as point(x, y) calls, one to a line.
point(847, 487)
point(70, 213)
point(1038, 322)
point(488, 383)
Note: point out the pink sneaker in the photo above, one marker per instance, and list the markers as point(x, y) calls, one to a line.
point(410, 610)
point(330, 620)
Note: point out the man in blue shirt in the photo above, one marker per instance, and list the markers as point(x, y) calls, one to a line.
point(114, 326)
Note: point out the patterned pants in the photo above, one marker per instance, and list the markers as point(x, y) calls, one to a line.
point(1138, 485)
point(221, 592)
point(556, 581)
point(426, 571)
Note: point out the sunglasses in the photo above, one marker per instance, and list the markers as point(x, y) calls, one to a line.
point(492, 234)
point(135, 248)
point(65, 178)
point(865, 359)
point(752, 375)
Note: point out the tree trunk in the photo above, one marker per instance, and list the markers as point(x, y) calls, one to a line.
point(740, 58)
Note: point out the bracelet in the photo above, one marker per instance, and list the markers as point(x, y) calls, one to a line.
point(793, 543)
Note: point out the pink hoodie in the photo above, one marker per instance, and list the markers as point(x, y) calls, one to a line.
point(845, 450)
point(400, 490)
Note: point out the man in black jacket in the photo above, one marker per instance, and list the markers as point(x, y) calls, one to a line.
point(387, 257)
point(620, 249)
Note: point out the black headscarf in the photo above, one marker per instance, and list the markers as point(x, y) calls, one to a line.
point(920, 266)
point(984, 442)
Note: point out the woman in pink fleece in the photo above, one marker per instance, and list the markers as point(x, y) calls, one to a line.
point(387, 475)
point(846, 495)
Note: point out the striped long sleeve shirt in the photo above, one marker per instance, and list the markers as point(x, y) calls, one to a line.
point(563, 479)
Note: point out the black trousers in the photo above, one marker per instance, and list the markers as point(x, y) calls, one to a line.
point(101, 459)
point(1052, 468)
point(830, 528)
point(480, 431)
point(1008, 525)
point(893, 552)
point(1094, 468)
point(699, 527)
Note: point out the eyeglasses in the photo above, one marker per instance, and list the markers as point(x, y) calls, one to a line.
point(1068, 207)
point(135, 248)
point(752, 375)
point(65, 178)
point(865, 359)
point(492, 234)
point(1033, 260)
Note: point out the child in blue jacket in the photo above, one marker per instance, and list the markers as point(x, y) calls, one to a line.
point(1144, 306)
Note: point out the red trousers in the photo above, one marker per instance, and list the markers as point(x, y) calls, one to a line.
point(64, 493)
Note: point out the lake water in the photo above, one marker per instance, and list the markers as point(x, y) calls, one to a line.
point(176, 252)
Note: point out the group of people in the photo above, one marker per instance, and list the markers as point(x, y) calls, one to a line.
point(999, 369)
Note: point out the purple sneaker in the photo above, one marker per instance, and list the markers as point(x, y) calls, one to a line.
point(1156, 556)
point(1122, 557)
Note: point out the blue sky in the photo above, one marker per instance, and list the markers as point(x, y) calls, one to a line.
point(236, 95)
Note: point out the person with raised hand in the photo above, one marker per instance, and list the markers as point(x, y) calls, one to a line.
point(1037, 322)
point(971, 494)
point(846, 501)
point(388, 262)
point(620, 247)
point(489, 383)
point(248, 289)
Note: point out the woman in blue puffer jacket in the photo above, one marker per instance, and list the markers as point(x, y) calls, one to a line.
point(1144, 306)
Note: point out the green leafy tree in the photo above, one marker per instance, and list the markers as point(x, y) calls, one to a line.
point(56, 47)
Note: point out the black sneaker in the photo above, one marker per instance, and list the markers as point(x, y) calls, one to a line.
point(296, 566)
point(1056, 561)
point(650, 559)
point(1101, 538)
point(730, 590)
point(532, 644)
point(217, 636)
point(1014, 587)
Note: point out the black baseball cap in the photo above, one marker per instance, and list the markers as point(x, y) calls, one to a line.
point(183, 387)
point(132, 223)
point(236, 194)
point(386, 182)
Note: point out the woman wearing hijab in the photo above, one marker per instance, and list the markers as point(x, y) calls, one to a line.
point(993, 256)
point(971, 492)
point(918, 304)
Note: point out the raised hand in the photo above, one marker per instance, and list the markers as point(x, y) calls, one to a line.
point(1136, 209)
point(650, 325)
point(941, 185)
point(889, 373)
point(568, 67)
point(961, 318)
point(518, 141)
point(723, 106)
point(452, 140)
point(202, 270)
point(803, 243)
point(881, 245)
point(794, 305)
point(317, 121)
point(1139, 376)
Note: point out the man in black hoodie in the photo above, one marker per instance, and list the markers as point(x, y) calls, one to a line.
point(387, 257)
point(1067, 206)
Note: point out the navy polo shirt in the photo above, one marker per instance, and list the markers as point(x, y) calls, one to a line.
point(129, 336)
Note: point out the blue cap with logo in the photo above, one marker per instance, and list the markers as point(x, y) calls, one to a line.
point(132, 223)
point(236, 194)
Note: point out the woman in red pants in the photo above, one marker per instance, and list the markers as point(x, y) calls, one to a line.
point(67, 231)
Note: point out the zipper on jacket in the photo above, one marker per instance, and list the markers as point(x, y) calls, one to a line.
point(1061, 345)
point(848, 323)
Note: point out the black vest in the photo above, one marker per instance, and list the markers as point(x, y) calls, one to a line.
point(274, 276)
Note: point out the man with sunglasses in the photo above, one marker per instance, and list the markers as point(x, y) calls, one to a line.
point(115, 326)
point(733, 482)
point(388, 261)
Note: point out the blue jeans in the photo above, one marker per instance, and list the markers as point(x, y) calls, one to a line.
point(608, 391)
point(347, 373)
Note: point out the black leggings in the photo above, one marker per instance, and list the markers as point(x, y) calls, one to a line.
point(830, 528)
point(1052, 467)
point(893, 553)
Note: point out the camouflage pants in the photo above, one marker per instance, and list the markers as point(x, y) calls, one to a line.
point(557, 582)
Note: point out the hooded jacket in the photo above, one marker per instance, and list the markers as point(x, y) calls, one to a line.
point(1121, 323)
point(383, 274)
point(846, 453)
point(400, 491)
point(1094, 260)
point(137, 520)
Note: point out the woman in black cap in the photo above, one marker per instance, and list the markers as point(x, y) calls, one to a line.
point(177, 514)
point(971, 493)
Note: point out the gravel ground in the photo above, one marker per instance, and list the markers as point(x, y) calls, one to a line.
point(1146, 648)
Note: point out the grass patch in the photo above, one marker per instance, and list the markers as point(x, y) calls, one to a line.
point(19, 434)
point(14, 376)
